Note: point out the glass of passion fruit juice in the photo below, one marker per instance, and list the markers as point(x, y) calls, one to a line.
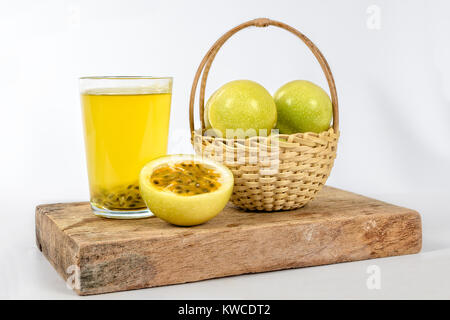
point(126, 123)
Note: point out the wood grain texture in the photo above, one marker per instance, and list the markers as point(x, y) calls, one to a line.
point(115, 255)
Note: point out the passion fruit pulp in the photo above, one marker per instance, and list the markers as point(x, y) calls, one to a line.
point(186, 178)
point(185, 190)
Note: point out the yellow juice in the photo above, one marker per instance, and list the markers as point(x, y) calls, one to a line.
point(124, 129)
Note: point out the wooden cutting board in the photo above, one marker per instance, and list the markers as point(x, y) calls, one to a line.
point(100, 255)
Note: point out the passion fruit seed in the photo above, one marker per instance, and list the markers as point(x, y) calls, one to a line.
point(185, 178)
point(125, 197)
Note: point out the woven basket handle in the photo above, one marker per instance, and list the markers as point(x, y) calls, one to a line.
point(205, 66)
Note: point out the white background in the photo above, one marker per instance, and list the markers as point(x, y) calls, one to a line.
point(393, 82)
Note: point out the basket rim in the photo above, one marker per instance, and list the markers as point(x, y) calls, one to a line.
point(269, 144)
point(200, 132)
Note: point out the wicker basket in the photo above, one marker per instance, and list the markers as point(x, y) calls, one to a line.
point(278, 172)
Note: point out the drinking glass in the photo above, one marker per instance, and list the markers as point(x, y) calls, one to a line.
point(126, 123)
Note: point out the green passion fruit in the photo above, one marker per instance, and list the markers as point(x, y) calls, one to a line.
point(241, 108)
point(303, 106)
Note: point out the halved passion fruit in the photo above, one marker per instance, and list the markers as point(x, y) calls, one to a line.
point(185, 190)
